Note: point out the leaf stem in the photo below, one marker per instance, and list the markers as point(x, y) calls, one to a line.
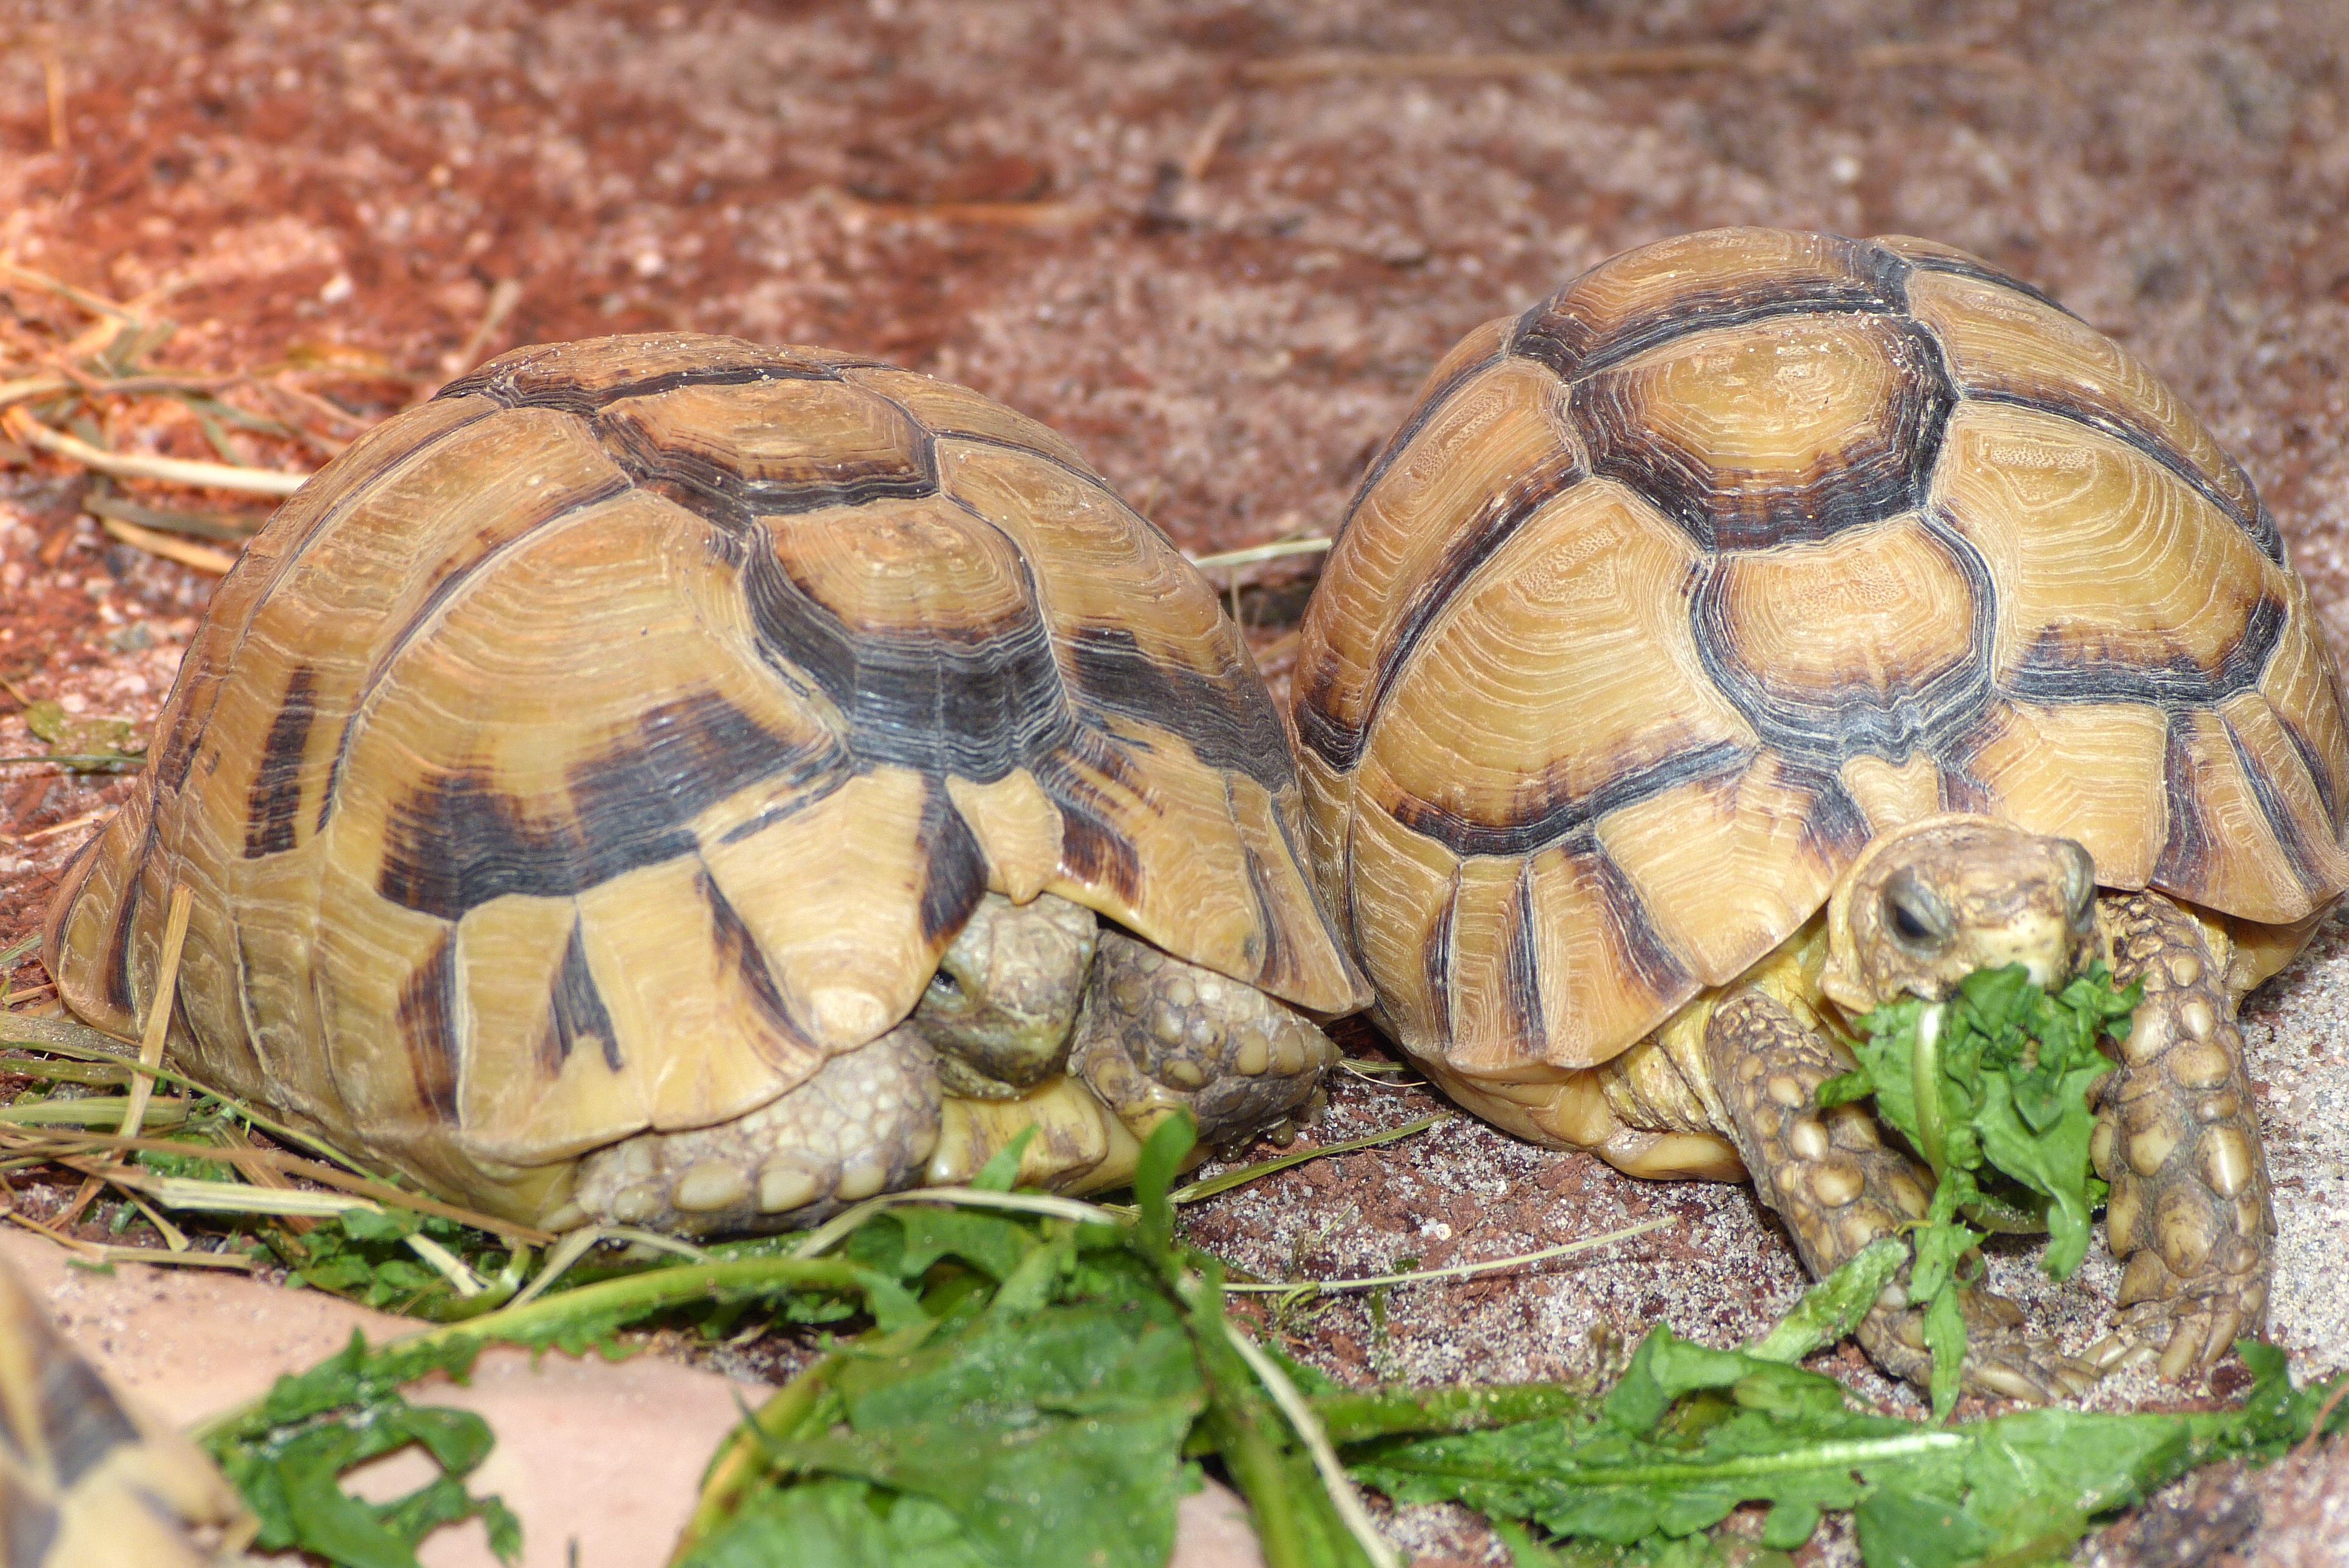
point(1925, 1067)
point(606, 1302)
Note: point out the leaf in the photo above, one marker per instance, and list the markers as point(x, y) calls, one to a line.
point(1155, 1167)
point(836, 1523)
point(1738, 1430)
point(1051, 1439)
point(1833, 1307)
point(1002, 1167)
point(317, 1425)
point(2009, 1070)
point(96, 741)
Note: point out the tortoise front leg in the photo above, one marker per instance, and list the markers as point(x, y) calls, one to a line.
point(2178, 1139)
point(1838, 1188)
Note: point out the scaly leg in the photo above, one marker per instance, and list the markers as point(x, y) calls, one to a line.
point(1156, 1033)
point(1838, 1188)
point(2178, 1139)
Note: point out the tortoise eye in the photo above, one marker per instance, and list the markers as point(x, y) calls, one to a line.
point(2079, 887)
point(1915, 914)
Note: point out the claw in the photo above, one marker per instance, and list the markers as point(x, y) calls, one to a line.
point(2178, 1355)
point(2012, 1381)
point(2225, 1329)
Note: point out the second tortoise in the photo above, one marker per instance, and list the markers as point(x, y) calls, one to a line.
point(1767, 626)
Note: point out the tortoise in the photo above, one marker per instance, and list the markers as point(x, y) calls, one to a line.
point(88, 1479)
point(669, 782)
point(1767, 625)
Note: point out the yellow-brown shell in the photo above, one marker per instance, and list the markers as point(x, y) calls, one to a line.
point(607, 742)
point(1747, 545)
point(89, 1480)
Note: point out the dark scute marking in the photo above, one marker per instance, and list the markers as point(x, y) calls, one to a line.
point(704, 483)
point(2266, 535)
point(1548, 818)
point(1226, 719)
point(575, 1011)
point(1820, 729)
point(80, 1422)
point(2186, 857)
point(977, 702)
point(427, 1021)
point(812, 793)
point(28, 1524)
point(1415, 421)
point(1268, 947)
point(1962, 790)
point(115, 971)
point(2058, 668)
point(1496, 523)
point(1572, 346)
point(2318, 774)
point(954, 877)
point(1093, 849)
point(2278, 811)
point(193, 719)
point(277, 793)
point(497, 382)
point(1848, 489)
point(1521, 965)
point(1983, 272)
point(1438, 956)
point(458, 840)
point(2258, 524)
point(737, 950)
point(1835, 829)
point(1634, 942)
point(419, 619)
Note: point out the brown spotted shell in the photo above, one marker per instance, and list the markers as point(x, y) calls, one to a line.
point(1743, 547)
point(609, 741)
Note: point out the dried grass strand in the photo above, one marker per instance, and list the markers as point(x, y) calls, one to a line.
point(159, 1009)
point(137, 466)
point(186, 551)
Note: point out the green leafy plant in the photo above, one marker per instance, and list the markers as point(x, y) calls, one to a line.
point(1042, 1380)
point(289, 1458)
point(1036, 1406)
point(1689, 1434)
point(1991, 1088)
point(86, 745)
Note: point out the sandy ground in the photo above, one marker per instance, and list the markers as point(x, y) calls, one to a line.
point(1219, 245)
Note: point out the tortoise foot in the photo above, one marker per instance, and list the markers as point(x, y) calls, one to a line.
point(1157, 1033)
point(2178, 1136)
point(1839, 1187)
point(2188, 1328)
point(2002, 1359)
point(865, 1123)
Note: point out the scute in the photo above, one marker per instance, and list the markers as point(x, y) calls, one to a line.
point(1940, 546)
point(611, 742)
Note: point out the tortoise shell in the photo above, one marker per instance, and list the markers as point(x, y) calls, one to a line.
point(91, 1481)
point(1743, 547)
point(609, 741)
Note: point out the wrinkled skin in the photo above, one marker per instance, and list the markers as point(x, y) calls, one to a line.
point(1039, 1016)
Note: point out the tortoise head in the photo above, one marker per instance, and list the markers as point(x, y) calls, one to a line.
point(1930, 902)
